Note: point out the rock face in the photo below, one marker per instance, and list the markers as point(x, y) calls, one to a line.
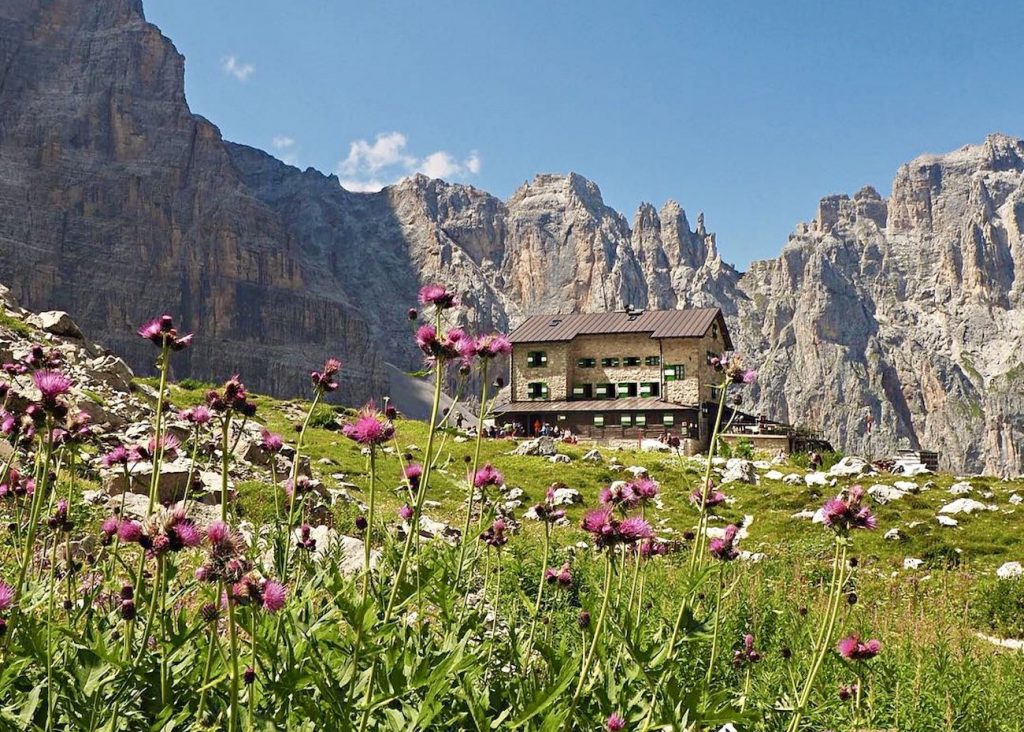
point(883, 323)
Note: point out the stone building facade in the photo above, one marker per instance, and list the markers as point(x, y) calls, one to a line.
point(619, 375)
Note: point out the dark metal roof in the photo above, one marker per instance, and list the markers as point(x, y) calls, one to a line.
point(630, 404)
point(689, 323)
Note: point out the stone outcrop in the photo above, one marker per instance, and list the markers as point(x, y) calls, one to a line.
point(883, 323)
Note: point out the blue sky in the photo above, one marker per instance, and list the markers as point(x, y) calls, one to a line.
point(747, 111)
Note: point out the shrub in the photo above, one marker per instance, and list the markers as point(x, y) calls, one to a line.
point(997, 606)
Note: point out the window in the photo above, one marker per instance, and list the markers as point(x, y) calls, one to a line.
point(561, 417)
point(715, 393)
point(586, 363)
point(676, 372)
point(604, 391)
point(599, 420)
point(712, 356)
point(714, 330)
point(668, 419)
point(535, 359)
point(626, 389)
point(630, 360)
point(641, 420)
point(583, 391)
point(650, 389)
point(653, 361)
point(626, 419)
point(537, 390)
point(609, 362)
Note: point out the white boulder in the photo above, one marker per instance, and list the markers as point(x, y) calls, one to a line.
point(1010, 570)
point(965, 505)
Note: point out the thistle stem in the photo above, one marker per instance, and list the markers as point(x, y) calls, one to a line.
point(472, 472)
point(588, 656)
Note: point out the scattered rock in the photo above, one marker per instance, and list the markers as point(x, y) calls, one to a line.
point(908, 486)
point(57, 322)
point(636, 471)
point(912, 563)
point(792, 479)
point(947, 521)
point(1010, 570)
point(560, 459)
point(893, 534)
point(739, 471)
point(775, 475)
point(965, 505)
point(817, 478)
point(1016, 500)
point(566, 496)
point(544, 446)
point(592, 456)
point(884, 494)
point(960, 489)
point(849, 467)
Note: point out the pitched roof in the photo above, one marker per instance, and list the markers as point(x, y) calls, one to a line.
point(689, 323)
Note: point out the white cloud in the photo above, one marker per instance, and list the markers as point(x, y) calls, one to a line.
point(282, 142)
point(371, 166)
point(232, 66)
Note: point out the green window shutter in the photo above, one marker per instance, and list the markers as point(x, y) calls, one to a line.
point(668, 419)
point(623, 390)
point(543, 391)
point(599, 420)
point(645, 390)
point(626, 420)
point(577, 391)
point(641, 420)
point(670, 373)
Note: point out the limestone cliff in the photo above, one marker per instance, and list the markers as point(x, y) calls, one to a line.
point(884, 322)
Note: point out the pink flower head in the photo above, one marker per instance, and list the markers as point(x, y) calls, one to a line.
point(712, 499)
point(110, 526)
point(749, 376)
point(615, 723)
point(270, 442)
point(369, 428)
point(492, 345)
point(488, 475)
point(495, 535)
point(406, 512)
point(413, 472)
point(326, 380)
point(187, 534)
point(6, 596)
point(853, 649)
point(645, 489)
point(439, 296)
point(160, 331)
point(724, 549)
point(217, 533)
point(118, 456)
point(274, 596)
point(619, 494)
point(746, 654)
point(129, 531)
point(51, 385)
point(198, 415)
point(846, 512)
point(168, 445)
point(653, 548)
point(634, 529)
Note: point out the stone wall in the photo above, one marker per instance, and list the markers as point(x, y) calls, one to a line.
point(554, 373)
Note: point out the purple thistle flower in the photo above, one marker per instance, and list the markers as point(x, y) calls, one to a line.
point(645, 489)
point(110, 526)
point(406, 512)
point(369, 428)
point(492, 345)
point(853, 649)
point(169, 445)
point(615, 723)
point(188, 534)
point(653, 548)
point(413, 472)
point(746, 654)
point(325, 380)
point(198, 415)
point(712, 499)
point(160, 331)
point(270, 442)
point(634, 529)
point(847, 692)
point(6, 596)
point(845, 512)
point(51, 385)
point(495, 535)
point(619, 494)
point(437, 295)
point(274, 596)
point(724, 549)
point(129, 531)
point(488, 475)
point(118, 456)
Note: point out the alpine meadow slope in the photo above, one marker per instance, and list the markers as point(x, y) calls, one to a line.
point(883, 323)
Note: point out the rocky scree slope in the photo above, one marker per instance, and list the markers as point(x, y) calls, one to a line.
point(883, 323)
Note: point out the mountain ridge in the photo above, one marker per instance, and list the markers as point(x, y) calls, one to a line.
point(883, 322)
